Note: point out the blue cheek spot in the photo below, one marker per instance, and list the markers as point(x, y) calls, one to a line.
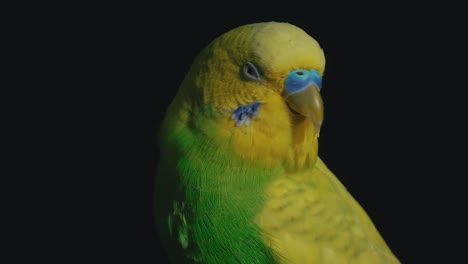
point(244, 113)
point(297, 80)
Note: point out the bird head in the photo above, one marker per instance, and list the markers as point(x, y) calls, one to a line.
point(257, 87)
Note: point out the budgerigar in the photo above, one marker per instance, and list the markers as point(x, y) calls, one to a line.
point(239, 179)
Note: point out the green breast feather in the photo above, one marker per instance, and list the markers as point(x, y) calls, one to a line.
point(208, 199)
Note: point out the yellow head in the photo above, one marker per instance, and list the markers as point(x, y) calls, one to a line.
point(259, 84)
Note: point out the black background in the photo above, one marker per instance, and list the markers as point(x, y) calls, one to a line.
point(91, 94)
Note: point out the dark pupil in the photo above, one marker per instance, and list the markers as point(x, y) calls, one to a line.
point(251, 70)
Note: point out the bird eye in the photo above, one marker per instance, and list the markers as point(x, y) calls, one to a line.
point(251, 72)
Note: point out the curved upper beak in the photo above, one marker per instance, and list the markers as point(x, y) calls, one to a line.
point(302, 94)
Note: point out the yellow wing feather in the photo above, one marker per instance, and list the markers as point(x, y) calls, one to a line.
point(309, 217)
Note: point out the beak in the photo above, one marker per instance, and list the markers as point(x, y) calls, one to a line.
point(302, 94)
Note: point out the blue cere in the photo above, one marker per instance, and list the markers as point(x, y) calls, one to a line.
point(244, 113)
point(299, 79)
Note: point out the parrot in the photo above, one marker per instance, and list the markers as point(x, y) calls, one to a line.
point(238, 179)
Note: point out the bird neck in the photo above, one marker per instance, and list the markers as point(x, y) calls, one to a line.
point(303, 153)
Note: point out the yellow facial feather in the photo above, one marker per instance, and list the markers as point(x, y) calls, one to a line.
point(276, 136)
